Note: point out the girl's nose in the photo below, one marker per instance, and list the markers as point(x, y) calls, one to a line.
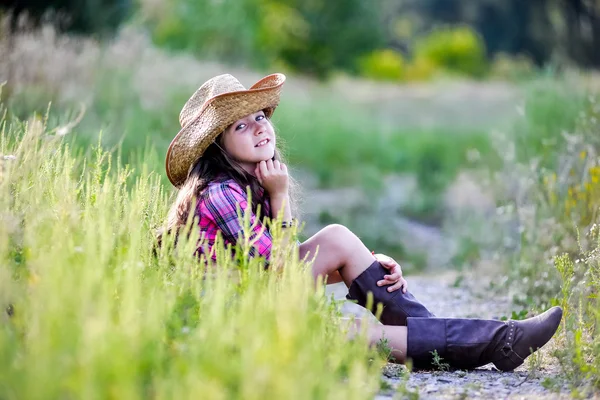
point(258, 130)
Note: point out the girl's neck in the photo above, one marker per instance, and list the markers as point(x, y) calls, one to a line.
point(248, 167)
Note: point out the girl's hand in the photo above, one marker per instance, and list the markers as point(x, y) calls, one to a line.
point(395, 277)
point(273, 176)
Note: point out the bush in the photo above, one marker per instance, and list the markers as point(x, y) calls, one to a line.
point(382, 65)
point(420, 69)
point(455, 49)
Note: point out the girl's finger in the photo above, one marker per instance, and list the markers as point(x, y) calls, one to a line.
point(263, 168)
point(395, 267)
point(283, 167)
point(270, 164)
point(393, 277)
point(398, 271)
point(387, 282)
point(258, 175)
point(395, 287)
point(404, 285)
point(276, 164)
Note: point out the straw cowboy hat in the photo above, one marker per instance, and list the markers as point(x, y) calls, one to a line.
point(218, 103)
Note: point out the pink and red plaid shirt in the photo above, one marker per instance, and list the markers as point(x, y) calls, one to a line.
point(217, 211)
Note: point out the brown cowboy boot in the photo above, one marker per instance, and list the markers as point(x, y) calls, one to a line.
point(471, 343)
point(397, 306)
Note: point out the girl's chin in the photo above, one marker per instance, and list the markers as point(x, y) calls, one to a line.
point(265, 155)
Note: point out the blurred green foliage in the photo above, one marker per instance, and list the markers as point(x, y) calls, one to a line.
point(551, 110)
point(548, 31)
point(434, 154)
point(454, 49)
point(318, 37)
point(313, 36)
point(384, 64)
point(420, 69)
point(457, 50)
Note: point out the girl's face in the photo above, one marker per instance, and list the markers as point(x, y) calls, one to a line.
point(250, 140)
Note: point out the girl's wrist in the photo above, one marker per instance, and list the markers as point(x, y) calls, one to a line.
point(279, 196)
point(280, 203)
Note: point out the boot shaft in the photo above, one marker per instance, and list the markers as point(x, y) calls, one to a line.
point(397, 306)
point(470, 343)
point(462, 343)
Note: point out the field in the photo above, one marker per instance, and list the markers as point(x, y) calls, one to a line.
point(92, 312)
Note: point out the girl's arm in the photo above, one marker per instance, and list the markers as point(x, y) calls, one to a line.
point(281, 203)
point(273, 176)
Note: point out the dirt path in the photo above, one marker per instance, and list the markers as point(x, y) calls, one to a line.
point(447, 296)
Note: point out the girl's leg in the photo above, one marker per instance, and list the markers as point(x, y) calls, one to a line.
point(396, 337)
point(339, 251)
point(463, 343)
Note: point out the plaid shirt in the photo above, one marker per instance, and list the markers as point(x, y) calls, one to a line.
point(217, 211)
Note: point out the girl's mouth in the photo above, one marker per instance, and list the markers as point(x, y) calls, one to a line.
point(262, 142)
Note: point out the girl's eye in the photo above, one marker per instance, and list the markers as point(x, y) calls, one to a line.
point(260, 117)
point(240, 126)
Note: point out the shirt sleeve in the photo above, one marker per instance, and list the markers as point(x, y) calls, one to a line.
point(222, 203)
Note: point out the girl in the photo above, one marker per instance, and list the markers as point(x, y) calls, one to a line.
point(227, 143)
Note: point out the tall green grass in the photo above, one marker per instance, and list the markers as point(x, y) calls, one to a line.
point(87, 311)
point(551, 110)
point(544, 236)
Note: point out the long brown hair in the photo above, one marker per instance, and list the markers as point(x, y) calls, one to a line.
point(216, 164)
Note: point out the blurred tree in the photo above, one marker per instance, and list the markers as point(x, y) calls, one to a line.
point(83, 16)
point(507, 26)
point(338, 34)
point(310, 36)
point(224, 29)
point(582, 38)
point(544, 30)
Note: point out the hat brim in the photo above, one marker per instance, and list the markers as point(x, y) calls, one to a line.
point(215, 116)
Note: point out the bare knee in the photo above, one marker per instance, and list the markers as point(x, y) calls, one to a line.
point(337, 249)
point(335, 229)
point(339, 238)
point(334, 242)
